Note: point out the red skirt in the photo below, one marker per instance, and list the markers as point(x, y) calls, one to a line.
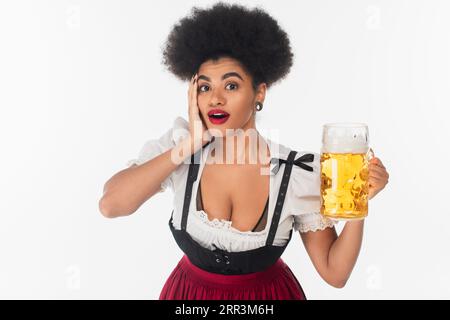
point(189, 282)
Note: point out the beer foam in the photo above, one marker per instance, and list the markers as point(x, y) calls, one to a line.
point(345, 138)
point(345, 147)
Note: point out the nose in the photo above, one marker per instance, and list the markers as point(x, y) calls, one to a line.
point(216, 99)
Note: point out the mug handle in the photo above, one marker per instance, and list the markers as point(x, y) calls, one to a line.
point(370, 154)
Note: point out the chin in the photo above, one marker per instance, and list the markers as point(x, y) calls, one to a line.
point(218, 132)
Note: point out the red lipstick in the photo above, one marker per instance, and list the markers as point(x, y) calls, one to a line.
point(218, 116)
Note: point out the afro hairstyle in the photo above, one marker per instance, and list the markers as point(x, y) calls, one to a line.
point(252, 37)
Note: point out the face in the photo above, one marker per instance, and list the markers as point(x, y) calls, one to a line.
point(225, 88)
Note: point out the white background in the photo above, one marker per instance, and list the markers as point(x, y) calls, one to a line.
point(82, 88)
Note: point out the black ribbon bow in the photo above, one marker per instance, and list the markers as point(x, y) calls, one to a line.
point(308, 157)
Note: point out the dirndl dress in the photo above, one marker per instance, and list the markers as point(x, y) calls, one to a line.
point(257, 274)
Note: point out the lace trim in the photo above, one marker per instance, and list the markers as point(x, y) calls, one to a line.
point(316, 224)
point(225, 225)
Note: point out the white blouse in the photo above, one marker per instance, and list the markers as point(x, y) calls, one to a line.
point(301, 209)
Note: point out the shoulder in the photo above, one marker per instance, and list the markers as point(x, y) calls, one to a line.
point(306, 162)
point(178, 129)
point(305, 178)
point(282, 151)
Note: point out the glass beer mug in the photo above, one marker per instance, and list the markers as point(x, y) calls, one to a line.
point(344, 168)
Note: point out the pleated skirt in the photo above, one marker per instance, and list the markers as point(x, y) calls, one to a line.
point(189, 282)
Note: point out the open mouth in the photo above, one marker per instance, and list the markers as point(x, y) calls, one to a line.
point(218, 116)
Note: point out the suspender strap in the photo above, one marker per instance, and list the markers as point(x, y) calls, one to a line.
point(281, 195)
point(192, 176)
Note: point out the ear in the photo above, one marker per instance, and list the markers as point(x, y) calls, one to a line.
point(261, 92)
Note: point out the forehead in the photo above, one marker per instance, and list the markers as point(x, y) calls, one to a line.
point(221, 66)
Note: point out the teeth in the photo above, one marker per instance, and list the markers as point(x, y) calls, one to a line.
point(219, 115)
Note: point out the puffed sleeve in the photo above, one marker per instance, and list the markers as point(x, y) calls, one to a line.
point(305, 204)
point(155, 147)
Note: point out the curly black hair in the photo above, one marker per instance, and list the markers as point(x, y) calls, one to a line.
point(252, 37)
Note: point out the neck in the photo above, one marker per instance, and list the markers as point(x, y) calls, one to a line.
point(244, 146)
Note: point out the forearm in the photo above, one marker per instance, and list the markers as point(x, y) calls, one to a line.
point(344, 251)
point(128, 189)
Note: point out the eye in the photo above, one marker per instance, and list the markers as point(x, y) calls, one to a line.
point(229, 84)
point(232, 84)
point(200, 88)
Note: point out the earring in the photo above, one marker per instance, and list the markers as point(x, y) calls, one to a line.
point(259, 106)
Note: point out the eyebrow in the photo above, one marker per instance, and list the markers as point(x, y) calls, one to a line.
point(226, 75)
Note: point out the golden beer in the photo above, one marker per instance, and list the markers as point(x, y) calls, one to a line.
point(344, 169)
point(344, 185)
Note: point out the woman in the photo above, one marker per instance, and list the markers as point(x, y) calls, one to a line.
point(233, 217)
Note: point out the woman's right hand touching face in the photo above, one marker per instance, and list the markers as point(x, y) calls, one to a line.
point(199, 134)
